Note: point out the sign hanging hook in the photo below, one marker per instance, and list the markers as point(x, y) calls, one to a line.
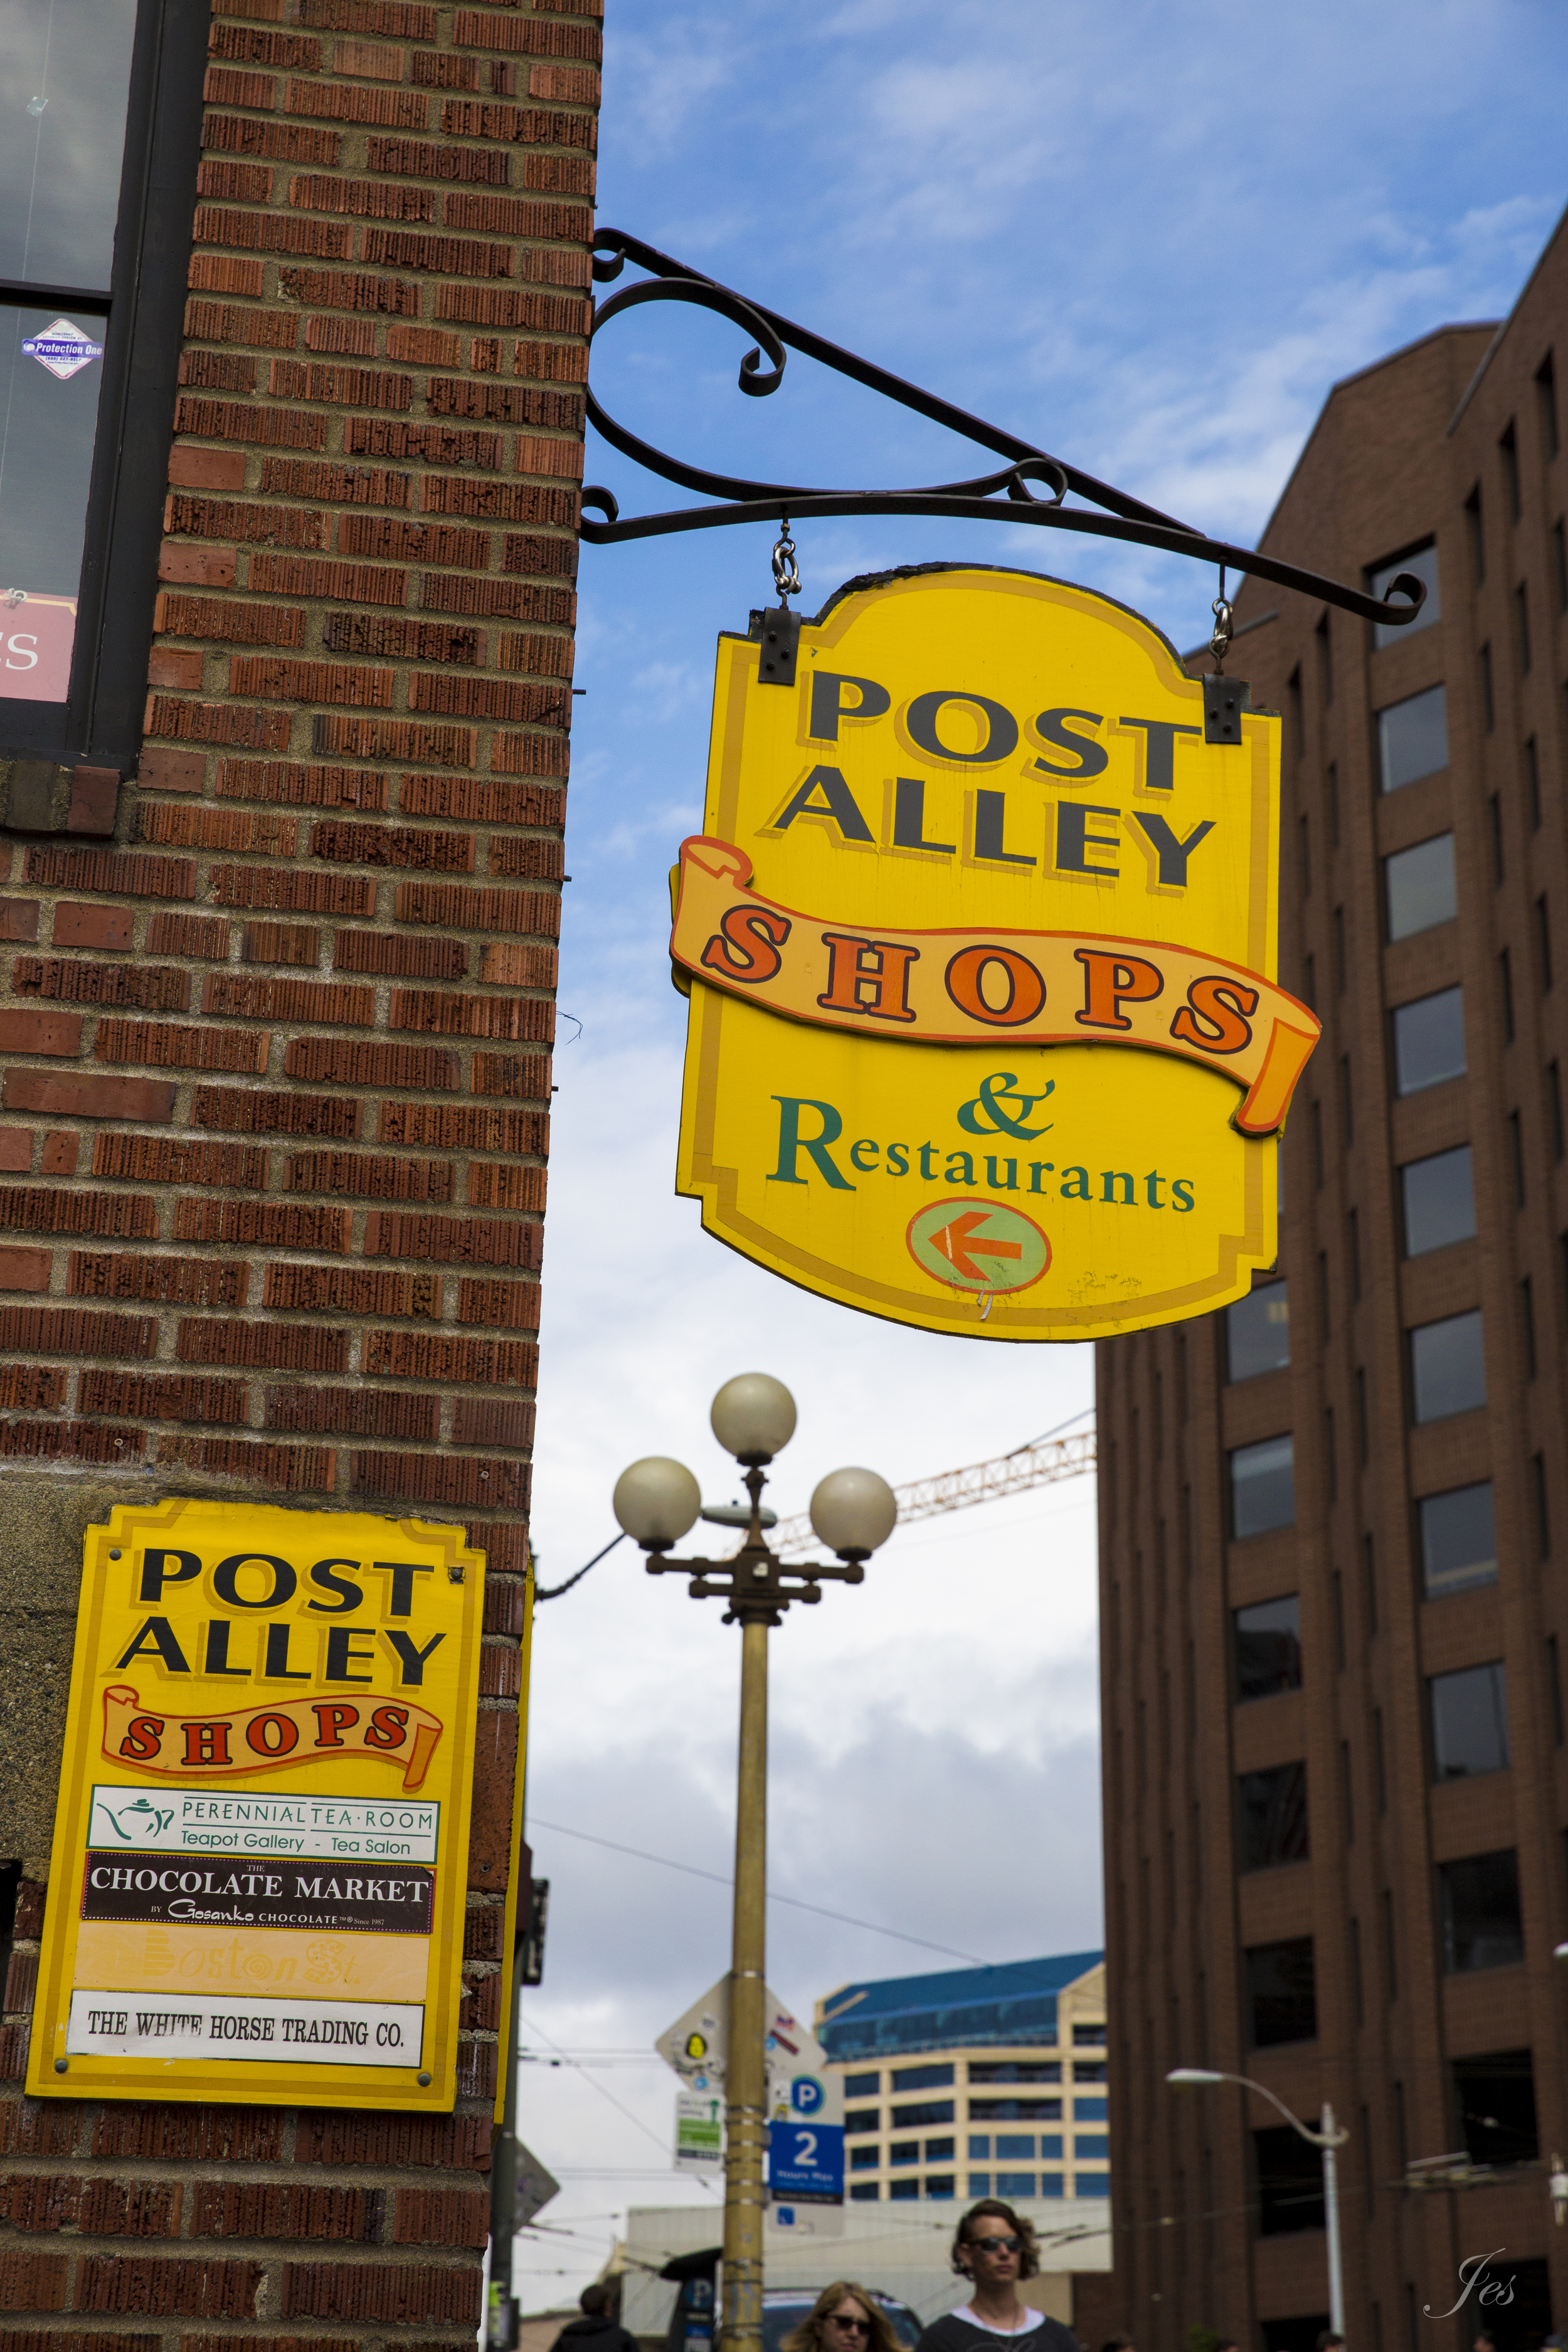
point(1219, 644)
point(786, 571)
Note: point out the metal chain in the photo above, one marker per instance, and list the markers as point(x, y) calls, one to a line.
point(786, 571)
point(1219, 644)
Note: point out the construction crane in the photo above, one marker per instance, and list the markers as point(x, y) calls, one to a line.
point(1039, 1464)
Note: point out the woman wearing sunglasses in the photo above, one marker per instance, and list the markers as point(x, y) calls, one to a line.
point(844, 2318)
point(994, 2250)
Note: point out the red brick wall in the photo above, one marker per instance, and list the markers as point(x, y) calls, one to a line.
point(274, 1117)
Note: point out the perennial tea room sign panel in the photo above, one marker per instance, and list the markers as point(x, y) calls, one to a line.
point(260, 1857)
point(980, 941)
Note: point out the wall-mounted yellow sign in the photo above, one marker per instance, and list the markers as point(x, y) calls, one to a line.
point(978, 842)
point(259, 1870)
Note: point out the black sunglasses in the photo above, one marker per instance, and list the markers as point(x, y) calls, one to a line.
point(856, 2326)
point(998, 2245)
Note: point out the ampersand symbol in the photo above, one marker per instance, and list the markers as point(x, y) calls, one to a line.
point(1000, 1087)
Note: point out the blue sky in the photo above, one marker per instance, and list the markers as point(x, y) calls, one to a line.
point(1150, 238)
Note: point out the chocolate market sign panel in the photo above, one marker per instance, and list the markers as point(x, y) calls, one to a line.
point(260, 1857)
point(980, 940)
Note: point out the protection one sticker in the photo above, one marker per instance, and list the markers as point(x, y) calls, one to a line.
point(64, 349)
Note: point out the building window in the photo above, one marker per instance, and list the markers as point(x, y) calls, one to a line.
point(1090, 2147)
point(1489, 702)
point(1494, 2107)
point(1413, 739)
point(1522, 627)
point(1483, 1927)
point(941, 2184)
point(863, 2120)
point(1088, 2184)
point(1271, 1817)
point(922, 2078)
point(980, 2147)
point(1458, 1540)
point(1419, 888)
point(1262, 1486)
point(865, 2192)
point(1546, 405)
point(862, 2086)
point(1050, 2146)
point(1429, 1040)
point(1014, 2111)
point(904, 2151)
point(82, 465)
point(923, 2111)
point(980, 2184)
point(1476, 535)
point(1469, 1722)
point(1281, 1992)
point(1091, 2111)
point(1089, 2070)
point(1269, 1647)
point(1016, 2070)
point(941, 2151)
point(1015, 2184)
point(1016, 2146)
point(1447, 1367)
point(1088, 2037)
point(1439, 1201)
point(904, 2191)
point(1257, 1332)
point(1423, 562)
point(1508, 454)
point(865, 2159)
point(1559, 562)
point(1289, 2182)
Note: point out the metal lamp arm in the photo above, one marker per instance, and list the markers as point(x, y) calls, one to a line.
point(1316, 2138)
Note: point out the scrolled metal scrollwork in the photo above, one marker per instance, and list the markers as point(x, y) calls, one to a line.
point(1002, 496)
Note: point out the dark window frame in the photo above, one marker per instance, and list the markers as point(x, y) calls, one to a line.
point(101, 721)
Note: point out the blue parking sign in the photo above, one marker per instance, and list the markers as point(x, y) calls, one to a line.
point(806, 2162)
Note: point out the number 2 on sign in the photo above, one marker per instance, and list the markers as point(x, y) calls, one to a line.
point(806, 2147)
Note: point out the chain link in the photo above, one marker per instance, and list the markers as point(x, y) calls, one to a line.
point(1219, 644)
point(786, 571)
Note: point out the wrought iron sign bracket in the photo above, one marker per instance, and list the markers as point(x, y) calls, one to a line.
point(1002, 496)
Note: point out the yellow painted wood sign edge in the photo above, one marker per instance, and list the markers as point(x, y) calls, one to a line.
point(440, 1769)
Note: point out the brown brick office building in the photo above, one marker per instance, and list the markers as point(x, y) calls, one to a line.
point(1334, 1522)
point(295, 301)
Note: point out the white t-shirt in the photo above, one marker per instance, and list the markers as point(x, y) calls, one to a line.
point(1030, 2320)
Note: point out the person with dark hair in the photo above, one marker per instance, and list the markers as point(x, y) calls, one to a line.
point(1118, 2344)
point(1330, 2340)
point(995, 2249)
point(844, 2318)
point(598, 2330)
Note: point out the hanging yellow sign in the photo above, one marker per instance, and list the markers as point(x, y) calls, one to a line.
point(259, 1871)
point(979, 840)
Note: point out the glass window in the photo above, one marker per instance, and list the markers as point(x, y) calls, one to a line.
point(1091, 2111)
point(67, 75)
point(923, 2111)
point(862, 2086)
point(941, 2151)
point(1419, 888)
point(1051, 2146)
point(1269, 1647)
point(865, 2159)
point(864, 2192)
point(904, 2151)
point(1447, 1367)
point(922, 2078)
point(1424, 563)
point(1263, 1487)
point(1469, 1722)
point(1019, 2146)
point(980, 2184)
point(1439, 1201)
point(1089, 2070)
point(941, 2185)
point(1016, 2070)
point(1289, 2183)
point(1429, 1040)
point(1413, 739)
point(1092, 2148)
point(1482, 1928)
point(1494, 2100)
point(903, 2190)
point(1088, 2184)
point(1271, 1818)
point(1015, 2184)
point(863, 2120)
point(1013, 2111)
point(979, 2146)
point(1257, 1332)
point(1282, 1993)
point(1088, 2037)
point(1458, 1540)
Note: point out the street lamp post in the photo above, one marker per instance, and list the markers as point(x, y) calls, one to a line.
point(656, 1501)
point(1329, 2138)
